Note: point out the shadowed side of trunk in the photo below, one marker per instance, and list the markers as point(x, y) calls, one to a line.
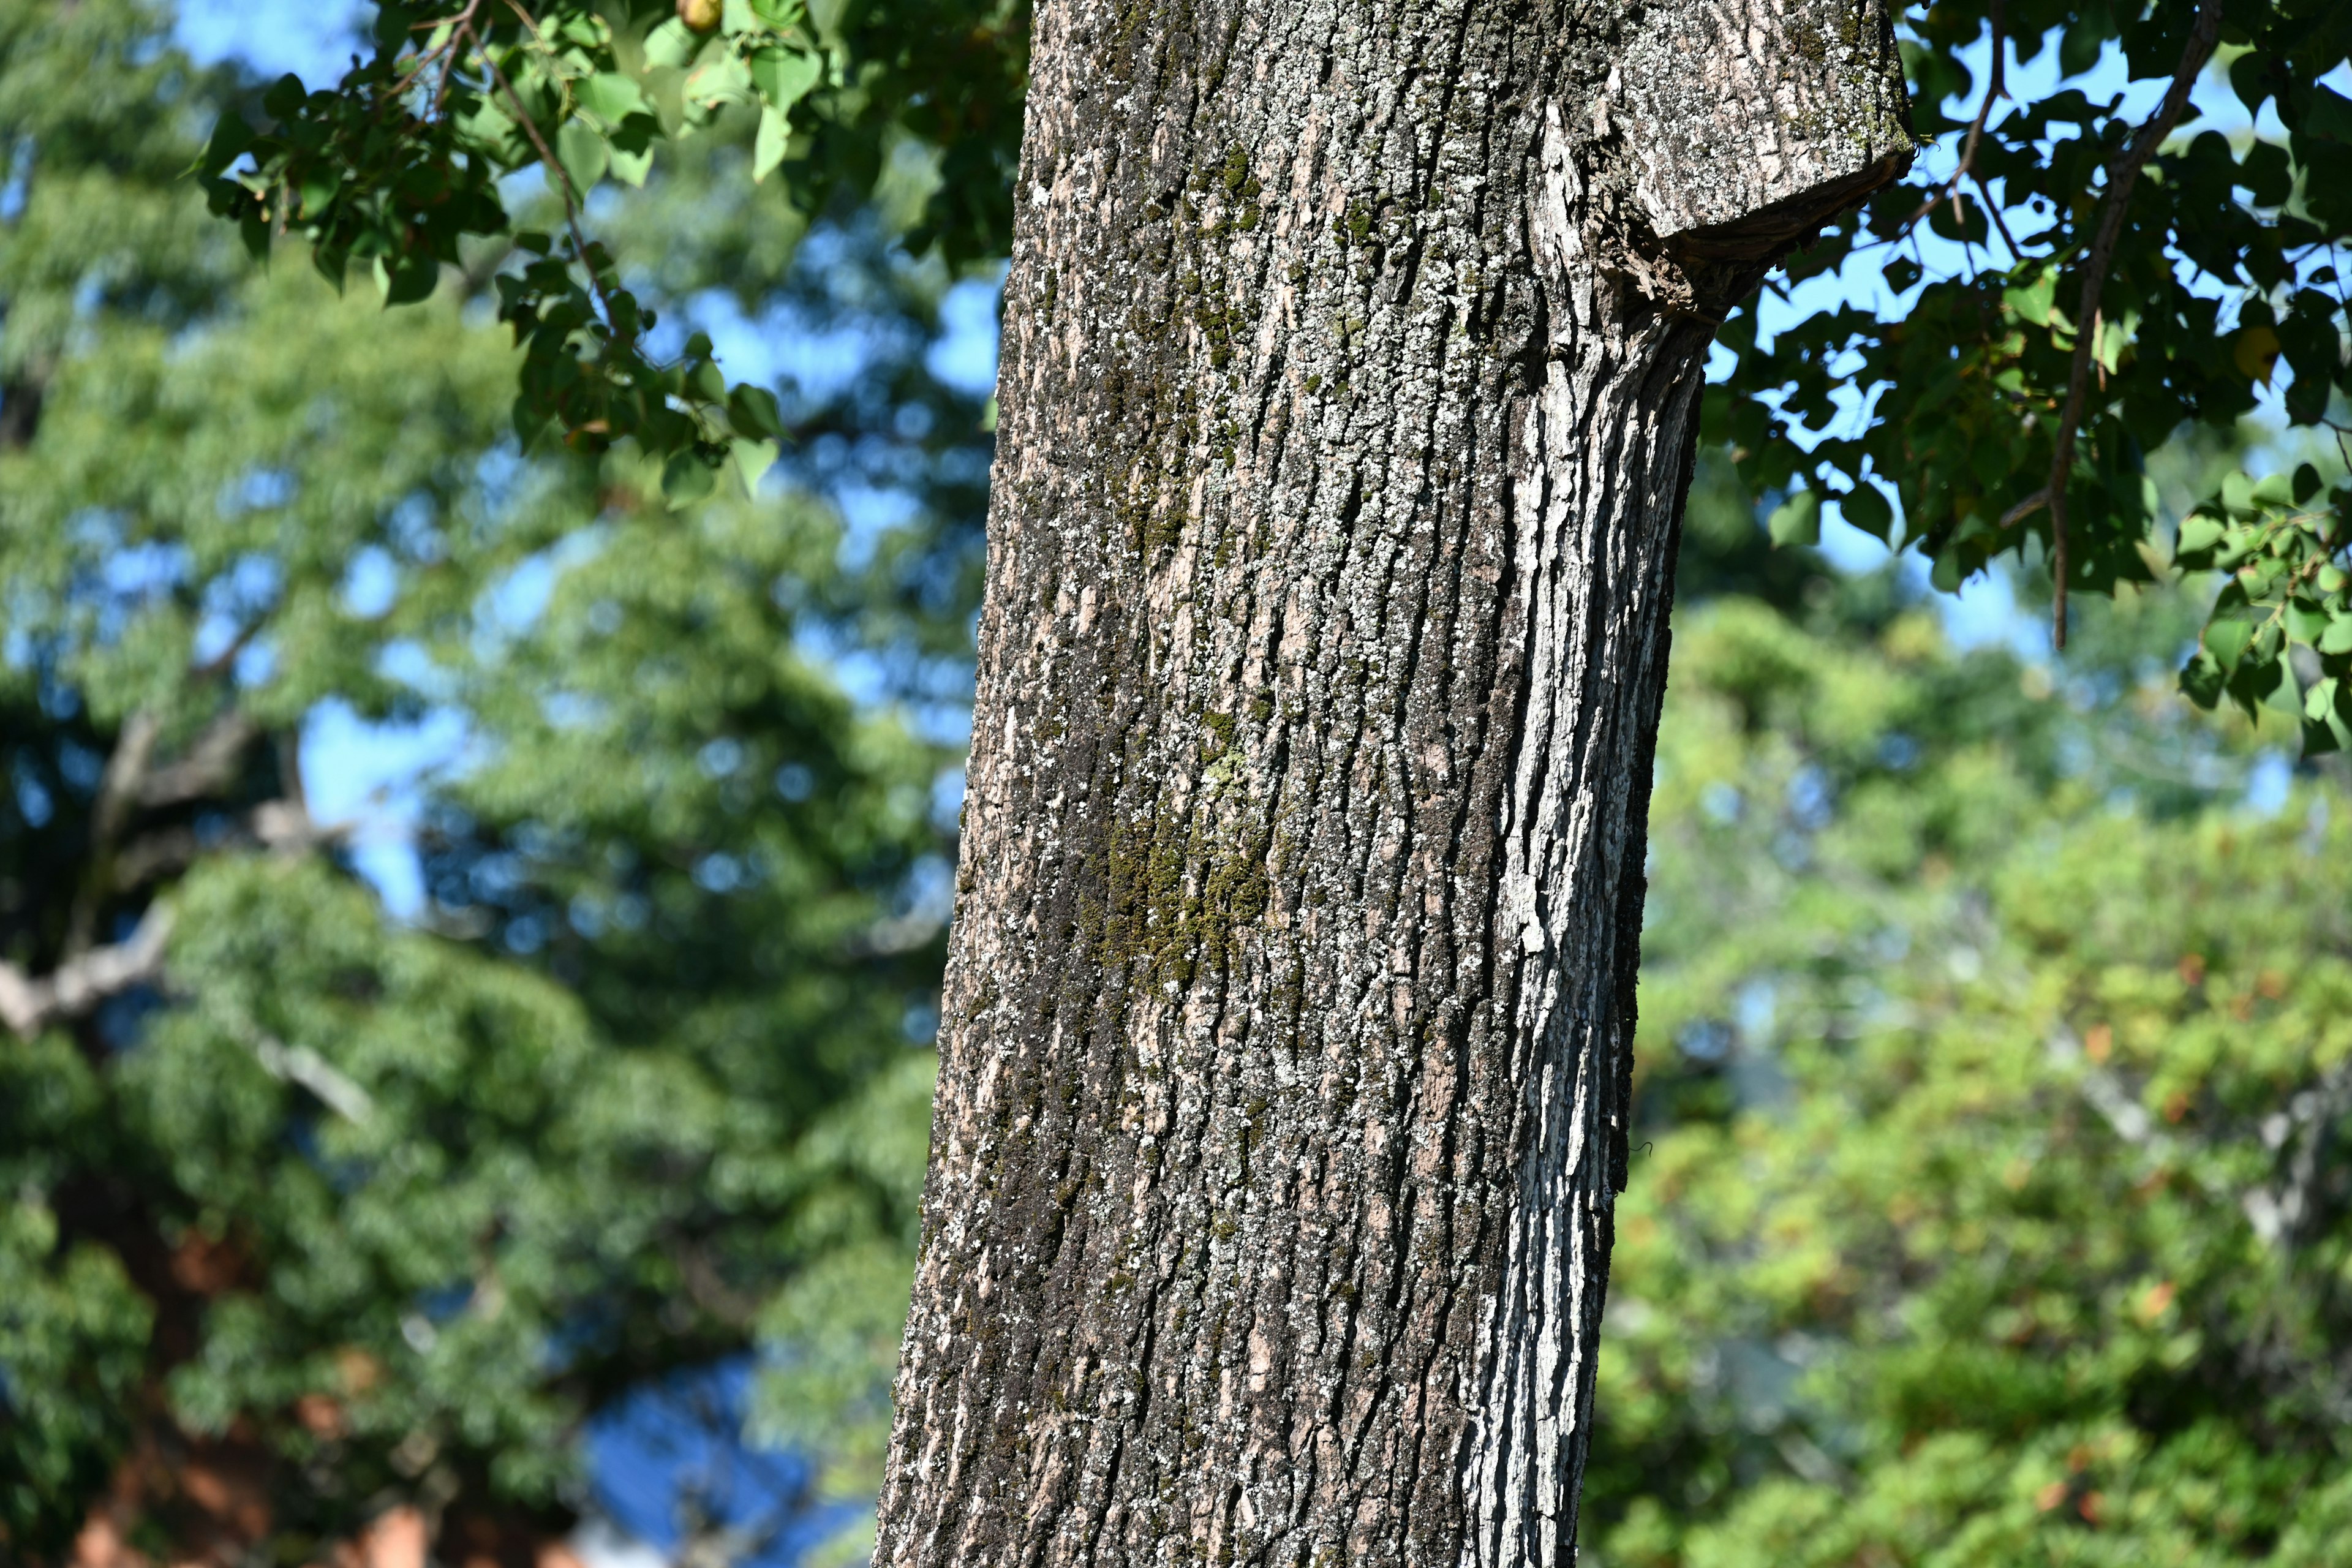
point(1349, 394)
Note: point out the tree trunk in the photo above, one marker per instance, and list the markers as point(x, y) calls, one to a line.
point(1352, 357)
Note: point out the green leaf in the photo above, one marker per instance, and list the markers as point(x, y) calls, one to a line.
point(2199, 532)
point(2286, 697)
point(753, 461)
point(686, 478)
point(1865, 507)
point(2200, 682)
point(754, 411)
point(583, 154)
point(231, 137)
point(2328, 113)
point(2324, 726)
point(672, 44)
point(722, 78)
point(2226, 638)
point(2338, 638)
point(767, 147)
point(785, 75)
point(2115, 336)
point(2305, 622)
point(632, 168)
point(2031, 302)
point(611, 98)
point(285, 97)
point(406, 280)
point(1797, 521)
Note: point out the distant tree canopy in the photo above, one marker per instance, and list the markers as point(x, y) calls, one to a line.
point(1992, 1202)
point(303, 1210)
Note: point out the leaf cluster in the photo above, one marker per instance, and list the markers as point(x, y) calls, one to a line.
point(404, 166)
point(1937, 421)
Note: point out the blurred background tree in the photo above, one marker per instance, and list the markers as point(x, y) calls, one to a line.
point(1994, 1080)
point(309, 1211)
point(1990, 1202)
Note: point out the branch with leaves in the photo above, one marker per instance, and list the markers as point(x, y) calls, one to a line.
point(399, 167)
point(2202, 38)
point(2162, 275)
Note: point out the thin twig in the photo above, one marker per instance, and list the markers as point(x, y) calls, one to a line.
point(2202, 35)
point(1992, 211)
point(515, 6)
point(2025, 508)
point(416, 68)
point(563, 179)
point(1995, 88)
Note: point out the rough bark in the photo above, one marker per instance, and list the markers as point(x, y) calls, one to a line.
point(1348, 402)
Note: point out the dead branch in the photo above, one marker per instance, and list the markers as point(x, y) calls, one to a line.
point(28, 1005)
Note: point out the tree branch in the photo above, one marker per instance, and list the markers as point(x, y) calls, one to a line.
point(210, 763)
point(2203, 34)
point(28, 1005)
point(306, 1069)
point(109, 814)
point(1996, 88)
point(276, 825)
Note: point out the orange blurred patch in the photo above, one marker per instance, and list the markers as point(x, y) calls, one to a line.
point(2099, 1042)
point(100, 1545)
point(395, 1540)
point(320, 1416)
point(359, 1370)
point(203, 1266)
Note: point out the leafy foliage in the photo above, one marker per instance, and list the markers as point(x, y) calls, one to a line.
point(401, 163)
point(305, 1210)
point(1996, 421)
point(1991, 1202)
point(2227, 263)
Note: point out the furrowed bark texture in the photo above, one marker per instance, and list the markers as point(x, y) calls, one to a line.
point(1348, 400)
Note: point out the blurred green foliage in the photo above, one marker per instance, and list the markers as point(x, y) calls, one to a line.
point(1991, 1201)
point(319, 1210)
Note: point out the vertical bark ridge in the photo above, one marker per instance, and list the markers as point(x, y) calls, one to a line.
point(1348, 396)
